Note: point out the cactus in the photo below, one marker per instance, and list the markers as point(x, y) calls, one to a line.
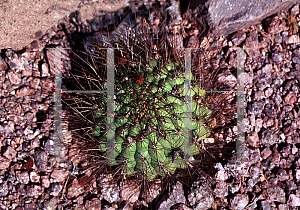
point(149, 120)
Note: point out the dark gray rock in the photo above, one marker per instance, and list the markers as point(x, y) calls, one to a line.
point(51, 204)
point(40, 160)
point(3, 189)
point(269, 138)
point(55, 188)
point(257, 108)
point(290, 185)
point(201, 195)
point(229, 16)
point(276, 194)
point(34, 190)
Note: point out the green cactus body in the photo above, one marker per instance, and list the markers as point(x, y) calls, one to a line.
point(149, 122)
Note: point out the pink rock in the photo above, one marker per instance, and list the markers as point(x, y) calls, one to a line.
point(293, 200)
point(253, 140)
point(27, 71)
point(94, 204)
point(59, 175)
point(267, 69)
point(45, 181)
point(10, 153)
point(290, 99)
point(268, 92)
point(24, 91)
point(23, 177)
point(276, 25)
point(266, 153)
point(4, 163)
point(34, 177)
point(35, 83)
point(298, 174)
point(294, 39)
point(15, 78)
point(75, 190)
point(45, 71)
point(47, 84)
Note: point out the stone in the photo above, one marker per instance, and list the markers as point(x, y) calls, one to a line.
point(283, 207)
point(34, 190)
point(44, 70)
point(269, 138)
point(238, 37)
point(253, 140)
point(64, 58)
point(4, 189)
point(257, 108)
point(55, 189)
point(239, 201)
point(268, 92)
point(10, 153)
point(110, 192)
point(266, 153)
point(227, 17)
point(193, 42)
point(201, 195)
point(180, 206)
point(47, 84)
point(24, 91)
point(45, 181)
point(294, 39)
point(59, 174)
point(27, 71)
point(275, 25)
point(221, 189)
point(290, 99)
point(75, 189)
point(221, 174)
point(266, 204)
point(4, 163)
point(228, 79)
point(34, 177)
point(23, 177)
point(293, 200)
point(93, 204)
point(129, 191)
point(3, 65)
point(176, 196)
point(51, 204)
point(276, 194)
point(41, 160)
point(15, 78)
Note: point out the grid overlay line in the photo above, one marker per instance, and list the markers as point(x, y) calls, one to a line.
point(57, 106)
point(188, 103)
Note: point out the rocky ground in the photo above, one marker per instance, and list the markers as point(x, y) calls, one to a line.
point(30, 177)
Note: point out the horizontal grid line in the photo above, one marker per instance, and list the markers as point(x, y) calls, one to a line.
point(84, 91)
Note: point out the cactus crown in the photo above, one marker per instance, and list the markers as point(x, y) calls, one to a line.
point(149, 119)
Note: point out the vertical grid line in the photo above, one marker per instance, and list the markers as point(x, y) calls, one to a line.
point(240, 143)
point(57, 107)
point(188, 103)
point(110, 127)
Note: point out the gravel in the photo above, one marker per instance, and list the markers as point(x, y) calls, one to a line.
point(30, 177)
